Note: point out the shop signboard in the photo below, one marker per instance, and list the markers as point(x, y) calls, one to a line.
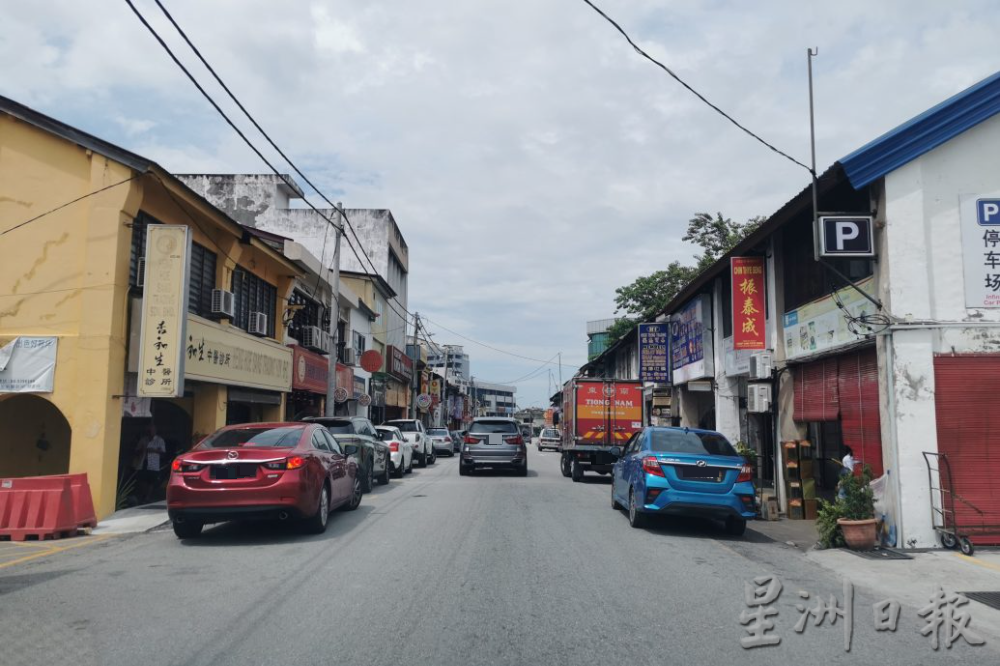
point(653, 365)
point(345, 378)
point(821, 324)
point(226, 355)
point(28, 365)
point(400, 365)
point(359, 387)
point(691, 352)
point(164, 310)
point(737, 361)
point(311, 370)
point(748, 303)
point(980, 218)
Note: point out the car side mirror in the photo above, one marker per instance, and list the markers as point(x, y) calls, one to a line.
point(350, 449)
point(616, 451)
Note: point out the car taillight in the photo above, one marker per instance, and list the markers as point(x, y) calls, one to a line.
point(295, 462)
point(181, 466)
point(651, 465)
point(469, 439)
point(394, 447)
point(514, 439)
point(746, 474)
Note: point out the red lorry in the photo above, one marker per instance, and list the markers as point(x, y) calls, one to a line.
point(598, 415)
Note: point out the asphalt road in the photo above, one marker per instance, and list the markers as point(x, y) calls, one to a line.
point(438, 569)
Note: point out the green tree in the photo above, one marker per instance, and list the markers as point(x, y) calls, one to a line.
point(648, 296)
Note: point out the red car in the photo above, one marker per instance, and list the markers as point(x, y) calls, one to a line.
point(283, 471)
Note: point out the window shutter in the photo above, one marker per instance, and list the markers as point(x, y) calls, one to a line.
point(860, 423)
point(817, 392)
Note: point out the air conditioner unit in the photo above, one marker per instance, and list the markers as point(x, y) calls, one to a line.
point(140, 272)
point(759, 398)
point(223, 303)
point(258, 324)
point(760, 365)
point(315, 338)
point(350, 357)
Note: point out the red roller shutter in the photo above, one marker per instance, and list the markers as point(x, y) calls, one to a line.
point(817, 394)
point(966, 390)
point(860, 422)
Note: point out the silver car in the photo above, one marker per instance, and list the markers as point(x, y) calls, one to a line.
point(496, 443)
point(549, 439)
point(441, 441)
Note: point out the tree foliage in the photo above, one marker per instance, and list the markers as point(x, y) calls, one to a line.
point(648, 296)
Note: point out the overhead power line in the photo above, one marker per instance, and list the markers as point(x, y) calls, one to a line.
point(691, 89)
point(483, 344)
point(243, 136)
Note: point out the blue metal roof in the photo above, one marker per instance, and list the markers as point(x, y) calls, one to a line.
point(923, 133)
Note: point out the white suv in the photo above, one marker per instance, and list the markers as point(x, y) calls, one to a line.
point(413, 431)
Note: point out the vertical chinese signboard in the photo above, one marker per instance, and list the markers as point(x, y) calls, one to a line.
point(748, 303)
point(980, 218)
point(164, 312)
point(653, 353)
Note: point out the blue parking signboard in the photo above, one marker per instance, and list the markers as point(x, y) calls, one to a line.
point(653, 366)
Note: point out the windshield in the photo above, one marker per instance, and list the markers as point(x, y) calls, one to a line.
point(284, 438)
point(685, 441)
point(405, 426)
point(386, 435)
point(549, 433)
point(494, 426)
point(438, 432)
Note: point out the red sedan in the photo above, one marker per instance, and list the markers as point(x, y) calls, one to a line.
point(283, 471)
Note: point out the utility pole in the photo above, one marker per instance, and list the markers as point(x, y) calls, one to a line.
point(444, 389)
point(331, 376)
point(560, 370)
point(810, 54)
point(414, 379)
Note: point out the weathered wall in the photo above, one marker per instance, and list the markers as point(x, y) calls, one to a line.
point(924, 280)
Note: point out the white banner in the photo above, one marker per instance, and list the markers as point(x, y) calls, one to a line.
point(980, 218)
point(164, 311)
point(28, 365)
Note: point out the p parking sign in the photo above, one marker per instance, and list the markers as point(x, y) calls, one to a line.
point(988, 212)
point(848, 236)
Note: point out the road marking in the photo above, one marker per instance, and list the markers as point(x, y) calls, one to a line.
point(972, 560)
point(53, 551)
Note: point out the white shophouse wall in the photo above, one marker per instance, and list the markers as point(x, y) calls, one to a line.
point(922, 278)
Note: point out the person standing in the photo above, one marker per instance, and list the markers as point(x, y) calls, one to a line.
point(152, 449)
point(848, 462)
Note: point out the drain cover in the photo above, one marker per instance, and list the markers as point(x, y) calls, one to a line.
point(991, 599)
point(881, 554)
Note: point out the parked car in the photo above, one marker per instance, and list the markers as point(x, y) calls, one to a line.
point(413, 431)
point(683, 471)
point(494, 442)
point(283, 471)
point(373, 453)
point(400, 450)
point(456, 440)
point(549, 438)
point(441, 441)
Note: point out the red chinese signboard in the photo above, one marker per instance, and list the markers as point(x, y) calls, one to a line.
point(309, 370)
point(371, 361)
point(748, 303)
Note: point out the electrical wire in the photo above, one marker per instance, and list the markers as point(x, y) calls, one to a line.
point(483, 344)
point(691, 89)
point(69, 203)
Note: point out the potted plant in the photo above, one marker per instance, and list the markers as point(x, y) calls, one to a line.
point(749, 454)
point(856, 508)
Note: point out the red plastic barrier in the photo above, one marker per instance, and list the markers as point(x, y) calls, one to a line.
point(83, 501)
point(38, 507)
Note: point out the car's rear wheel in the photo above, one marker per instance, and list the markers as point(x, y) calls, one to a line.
point(356, 493)
point(577, 471)
point(636, 518)
point(368, 481)
point(400, 470)
point(409, 468)
point(463, 470)
point(539, 447)
point(614, 503)
point(735, 526)
point(383, 478)
point(422, 460)
point(316, 523)
point(434, 458)
point(523, 470)
point(189, 529)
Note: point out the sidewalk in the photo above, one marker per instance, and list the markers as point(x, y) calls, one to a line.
point(135, 520)
point(798, 533)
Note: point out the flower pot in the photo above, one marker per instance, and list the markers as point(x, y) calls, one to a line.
point(859, 534)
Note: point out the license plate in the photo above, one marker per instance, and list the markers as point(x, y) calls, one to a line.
point(237, 471)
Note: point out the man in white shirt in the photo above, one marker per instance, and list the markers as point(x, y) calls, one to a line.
point(152, 448)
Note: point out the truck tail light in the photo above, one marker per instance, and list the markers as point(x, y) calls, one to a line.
point(746, 474)
point(651, 465)
point(394, 447)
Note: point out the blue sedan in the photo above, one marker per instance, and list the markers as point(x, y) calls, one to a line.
point(683, 471)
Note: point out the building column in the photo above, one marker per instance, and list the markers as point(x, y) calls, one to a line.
point(275, 413)
point(210, 403)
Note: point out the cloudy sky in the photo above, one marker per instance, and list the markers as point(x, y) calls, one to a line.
point(533, 160)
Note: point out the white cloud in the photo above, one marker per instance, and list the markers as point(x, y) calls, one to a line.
point(532, 159)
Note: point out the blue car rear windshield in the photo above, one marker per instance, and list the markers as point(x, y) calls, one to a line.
point(697, 443)
point(282, 438)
